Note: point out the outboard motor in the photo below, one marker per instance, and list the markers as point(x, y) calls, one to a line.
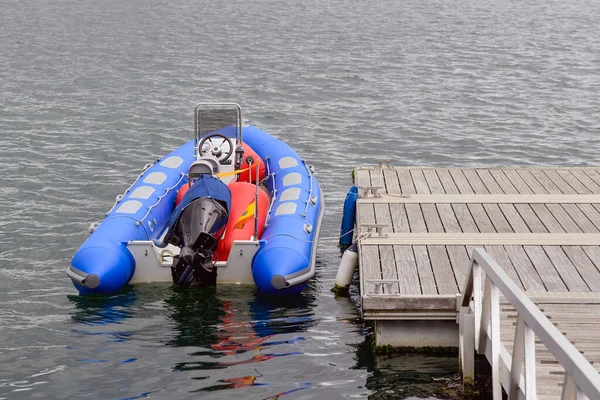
point(196, 226)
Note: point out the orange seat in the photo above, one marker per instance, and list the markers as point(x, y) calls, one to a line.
point(241, 216)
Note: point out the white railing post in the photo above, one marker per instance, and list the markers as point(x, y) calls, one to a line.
point(529, 362)
point(523, 361)
point(467, 331)
point(477, 302)
point(468, 350)
point(495, 337)
point(484, 322)
point(571, 391)
point(582, 382)
point(517, 361)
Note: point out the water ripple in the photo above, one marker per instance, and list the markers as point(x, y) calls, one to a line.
point(92, 91)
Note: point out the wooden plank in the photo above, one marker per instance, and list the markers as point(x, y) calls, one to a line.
point(546, 182)
point(405, 179)
point(497, 218)
point(376, 175)
point(525, 269)
point(584, 265)
point(415, 218)
point(585, 180)
point(383, 217)
point(464, 217)
point(388, 268)
point(563, 218)
point(423, 263)
point(447, 181)
point(545, 268)
point(593, 252)
point(596, 206)
point(513, 217)
point(593, 175)
point(399, 218)
point(533, 183)
point(591, 213)
point(460, 261)
point(410, 303)
point(503, 181)
point(579, 218)
point(397, 211)
point(432, 218)
point(362, 177)
point(392, 184)
point(563, 185)
point(442, 270)
point(407, 271)
point(481, 218)
point(567, 271)
point(565, 297)
point(517, 181)
point(424, 269)
point(461, 181)
point(382, 211)
point(525, 167)
point(499, 254)
point(435, 186)
point(477, 239)
point(547, 218)
point(531, 219)
point(369, 267)
point(480, 198)
point(419, 181)
point(475, 181)
point(365, 213)
point(489, 181)
point(449, 221)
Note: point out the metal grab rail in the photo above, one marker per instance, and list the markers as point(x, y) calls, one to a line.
point(480, 330)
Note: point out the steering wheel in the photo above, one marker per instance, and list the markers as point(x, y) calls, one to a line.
point(216, 148)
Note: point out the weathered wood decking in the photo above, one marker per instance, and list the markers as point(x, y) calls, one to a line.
point(576, 316)
point(541, 224)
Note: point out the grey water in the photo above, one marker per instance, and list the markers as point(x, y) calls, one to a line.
point(90, 91)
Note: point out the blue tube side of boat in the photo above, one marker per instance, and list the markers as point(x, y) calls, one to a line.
point(286, 251)
point(348, 217)
point(141, 214)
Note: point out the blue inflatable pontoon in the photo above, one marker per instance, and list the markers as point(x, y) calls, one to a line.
point(261, 229)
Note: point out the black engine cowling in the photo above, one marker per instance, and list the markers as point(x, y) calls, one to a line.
point(195, 227)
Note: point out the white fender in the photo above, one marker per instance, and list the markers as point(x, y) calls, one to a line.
point(347, 266)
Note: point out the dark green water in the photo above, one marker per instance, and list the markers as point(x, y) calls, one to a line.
point(90, 91)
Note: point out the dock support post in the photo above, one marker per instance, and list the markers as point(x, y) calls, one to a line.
point(467, 349)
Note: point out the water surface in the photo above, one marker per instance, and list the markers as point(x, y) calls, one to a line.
point(90, 91)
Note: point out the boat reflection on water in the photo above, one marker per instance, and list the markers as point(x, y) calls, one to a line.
point(234, 327)
point(104, 310)
point(227, 332)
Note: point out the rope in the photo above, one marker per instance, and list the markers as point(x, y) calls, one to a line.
point(361, 236)
point(230, 173)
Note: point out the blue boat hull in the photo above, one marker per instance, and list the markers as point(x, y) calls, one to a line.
point(285, 261)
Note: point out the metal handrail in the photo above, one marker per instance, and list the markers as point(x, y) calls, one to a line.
point(581, 379)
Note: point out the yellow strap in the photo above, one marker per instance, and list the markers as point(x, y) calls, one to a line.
point(226, 174)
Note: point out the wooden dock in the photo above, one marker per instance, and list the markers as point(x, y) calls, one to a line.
point(417, 228)
point(576, 316)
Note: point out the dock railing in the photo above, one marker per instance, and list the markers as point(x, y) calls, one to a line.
point(479, 314)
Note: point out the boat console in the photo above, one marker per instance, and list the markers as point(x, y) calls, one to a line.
point(218, 155)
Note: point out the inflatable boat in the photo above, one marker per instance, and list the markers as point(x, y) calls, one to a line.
point(233, 205)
